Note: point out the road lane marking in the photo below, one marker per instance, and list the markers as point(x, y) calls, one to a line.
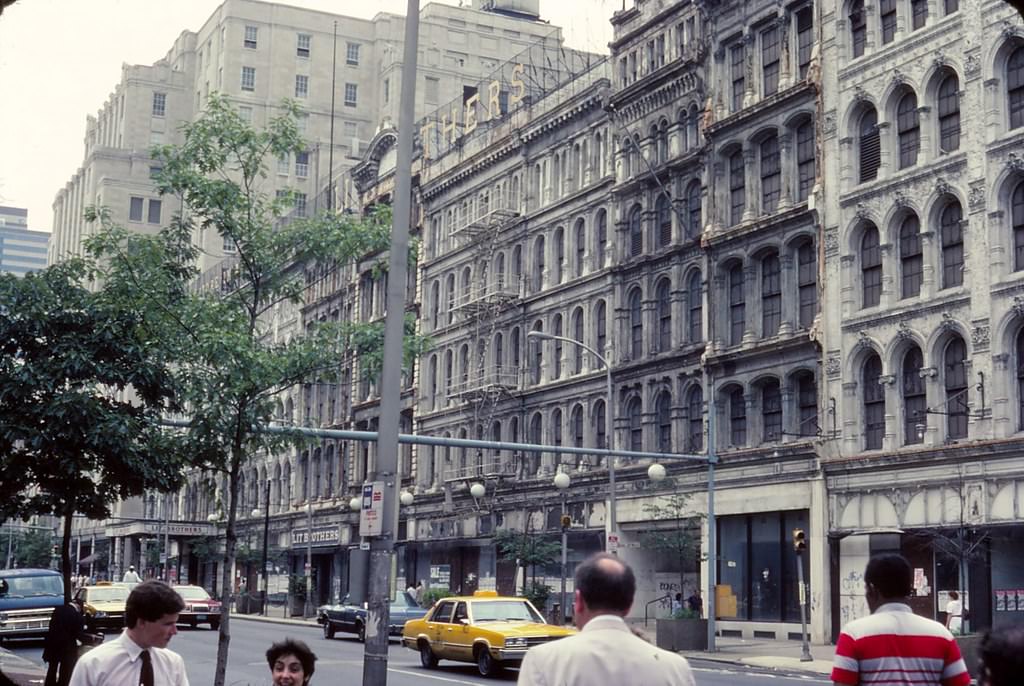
point(421, 675)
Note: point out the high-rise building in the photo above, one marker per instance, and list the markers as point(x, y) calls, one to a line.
point(21, 249)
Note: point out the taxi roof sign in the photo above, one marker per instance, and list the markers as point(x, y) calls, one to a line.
point(485, 594)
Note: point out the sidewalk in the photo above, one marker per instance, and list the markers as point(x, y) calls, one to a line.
point(763, 653)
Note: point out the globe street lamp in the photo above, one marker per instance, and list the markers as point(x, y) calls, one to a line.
point(406, 498)
point(562, 482)
point(656, 472)
point(612, 543)
point(478, 490)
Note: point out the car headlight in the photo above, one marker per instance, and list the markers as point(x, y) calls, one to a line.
point(101, 615)
point(515, 642)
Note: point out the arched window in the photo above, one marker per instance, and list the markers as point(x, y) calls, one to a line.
point(737, 418)
point(684, 141)
point(737, 189)
point(805, 160)
point(513, 343)
point(577, 335)
point(537, 282)
point(888, 16)
point(448, 374)
point(693, 209)
point(600, 435)
point(664, 212)
point(870, 267)
point(498, 277)
point(771, 411)
point(663, 300)
point(807, 404)
point(601, 240)
point(663, 411)
point(1020, 379)
point(908, 130)
point(433, 380)
point(955, 377)
point(737, 305)
point(914, 400)
point(576, 430)
point(949, 114)
point(911, 260)
point(464, 366)
point(600, 328)
point(557, 331)
point(536, 437)
point(870, 146)
point(874, 403)
point(636, 236)
point(695, 419)
point(771, 175)
point(435, 304)
point(952, 237)
point(559, 274)
point(1017, 219)
point(770, 60)
point(807, 283)
point(499, 352)
point(858, 28)
point(450, 292)
point(695, 304)
point(636, 431)
point(1015, 87)
point(556, 430)
point(581, 247)
point(771, 295)
point(663, 142)
point(636, 325)
point(537, 361)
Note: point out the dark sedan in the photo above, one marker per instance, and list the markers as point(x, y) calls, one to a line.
point(352, 618)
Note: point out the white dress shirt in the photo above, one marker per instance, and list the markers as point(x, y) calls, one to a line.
point(117, 663)
point(604, 652)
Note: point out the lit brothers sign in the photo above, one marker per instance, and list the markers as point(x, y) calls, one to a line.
point(474, 112)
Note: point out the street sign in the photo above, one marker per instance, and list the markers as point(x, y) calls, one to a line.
point(364, 545)
point(613, 543)
point(441, 576)
point(270, 566)
point(372, 509)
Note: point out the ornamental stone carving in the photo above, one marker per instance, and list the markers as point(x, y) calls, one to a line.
point(900, 198)
point(972, 64)
point(1015, 162)
point(903, 332)
point(828, 127)
point(980, 337)
point(862, 211)
point(859, 94)
point(832, 364)
point(943, 187)
point(947, 323)
point(1018, 305)
point(832, 240)
point(976, 196)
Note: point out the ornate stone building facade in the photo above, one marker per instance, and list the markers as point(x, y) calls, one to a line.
point(922, 334)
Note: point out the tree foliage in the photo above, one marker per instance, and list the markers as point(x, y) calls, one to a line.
point(231, 364)
point(527, 550)
point(676, 528)
point(81, 395)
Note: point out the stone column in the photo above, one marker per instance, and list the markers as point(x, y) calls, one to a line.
point(889, 295)
point(750, 182)
point(790, 297)
point(752, 304)
point(749, 92)
point(846, 158)
point(932, 258)
point(886, 162)
point(786, 68)
point(924, 152)
point(790, 416)
point(788, 172)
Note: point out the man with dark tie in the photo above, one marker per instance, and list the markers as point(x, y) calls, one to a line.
point(139, 655)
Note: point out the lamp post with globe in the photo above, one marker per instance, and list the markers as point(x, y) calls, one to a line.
point(562, 482)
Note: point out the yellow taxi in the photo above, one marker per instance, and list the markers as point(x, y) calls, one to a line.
point(487, 629)
point(103, 605)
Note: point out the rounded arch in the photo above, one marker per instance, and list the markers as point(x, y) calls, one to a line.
point(999, 54)
point(855, 111)
point(857, 229)
point(763, 133)
point(935, 74)
point(865, 347)
point(798, 118)
point(950, 329)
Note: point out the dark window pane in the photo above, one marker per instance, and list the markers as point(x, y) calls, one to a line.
point(737, 419)
point(737, 191)
point(664, 212)
point(733, 565)
point(804, 39)
point(871, 267)
point(695, 308)
point(949, 114)
point(1020, 379)
point(807, 283)
point(695, 420)
point(738, 71)
point(952, 6)
point(914, 401)
point(771, 175)
point(771, 411)
point(807, 401)
point(911, 260)
point(737, 315)
point(770, 60)
point(664, 305)
point(888, 15)
point(693, 209)
point(636, 326)
point(1017, 217)
point(956, 389)
point(771, 296)
point(766, 566)
point(636, 236)
point(874, 404)
point(805, 160)
point(664, 417)
point(1015, 87)
point(858, 28)
point(908, 130)
point(919, 13)
point(952, 246)
point(870, 147)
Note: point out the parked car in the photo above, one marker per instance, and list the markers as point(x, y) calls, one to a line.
point(27, 599)
point(200, 608)
point(352, 618)
point(103, 605)
point(490, 630)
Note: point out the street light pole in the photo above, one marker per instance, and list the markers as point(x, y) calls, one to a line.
point(612, 542)
point(562, 484)
point(263, 564)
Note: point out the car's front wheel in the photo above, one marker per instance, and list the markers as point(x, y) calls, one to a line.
point(214, 624)
point(427, 657)
point(328, 629)
point(485, 664)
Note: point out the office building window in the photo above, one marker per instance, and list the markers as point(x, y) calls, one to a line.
point(870, 267)
point(159, 104)
point(952, 237)
point(807, 283)
point(352, 54)
point(804, 40)
point(737, 418)
point(858, 28)
point(771, 296)
point(770, 60)
point(301, 86)
point(914, 400)
point(250, 37)
point(908, 127)
point(1015, 87)
point(738, 72)
point(302, 44)
point(135, 209)
point(248, 78)
point(302, 164)
point(771, 175)
point(870, 146)
point(737, 188)
point(737, 305)
point(949, 114)
point(911, 258)
point(805, 159)
point(918, 13)
point(874, 403)
point(351, 94)
point(887, 10)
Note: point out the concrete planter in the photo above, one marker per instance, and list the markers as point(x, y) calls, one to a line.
point(683, 634)
point(296, 606)
point(970, 649)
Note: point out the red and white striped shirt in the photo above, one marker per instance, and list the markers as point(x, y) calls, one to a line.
point(895, 647)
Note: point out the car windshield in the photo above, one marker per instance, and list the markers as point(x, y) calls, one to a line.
point(28, 586)
point(104, 595)
point(193, 593)
point(505, 610)
point(403, 599)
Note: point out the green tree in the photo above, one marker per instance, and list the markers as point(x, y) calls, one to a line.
point(527, 550)
point(34, 548)
point(676, 528)
point(81, 395)
point(231, 366)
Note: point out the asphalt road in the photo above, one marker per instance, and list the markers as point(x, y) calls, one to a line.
point(339, 661)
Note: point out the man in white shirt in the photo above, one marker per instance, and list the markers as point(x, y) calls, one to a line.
point(130, 577)
point(139, 655)
point(605, 651)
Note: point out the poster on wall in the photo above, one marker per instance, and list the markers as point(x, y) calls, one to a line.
point(1020, 599)
point(1000, 601)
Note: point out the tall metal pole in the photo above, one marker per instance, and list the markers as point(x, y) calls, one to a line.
point(307, 607)
point(167, 538)
point(375, 660)
point(330, 154)
point(565, 560)
point(805, 648)
point(263, 563)
point(712, 552)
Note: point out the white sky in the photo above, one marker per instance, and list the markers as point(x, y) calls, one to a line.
point(60, 59)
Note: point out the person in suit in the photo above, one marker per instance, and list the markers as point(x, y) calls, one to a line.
point(605, 650)
point(60, 649)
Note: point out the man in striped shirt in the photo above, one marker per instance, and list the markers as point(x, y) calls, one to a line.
point(893, 646)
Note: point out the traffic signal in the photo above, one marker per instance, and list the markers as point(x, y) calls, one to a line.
point(799, 541)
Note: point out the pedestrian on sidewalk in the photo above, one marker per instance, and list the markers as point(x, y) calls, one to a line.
point(418, 593)
point(1002, 657)
point(954, 613)
point(139, 655)
point(60, 649)
point(131, 576)
point(893, 645)
point(605, 650)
